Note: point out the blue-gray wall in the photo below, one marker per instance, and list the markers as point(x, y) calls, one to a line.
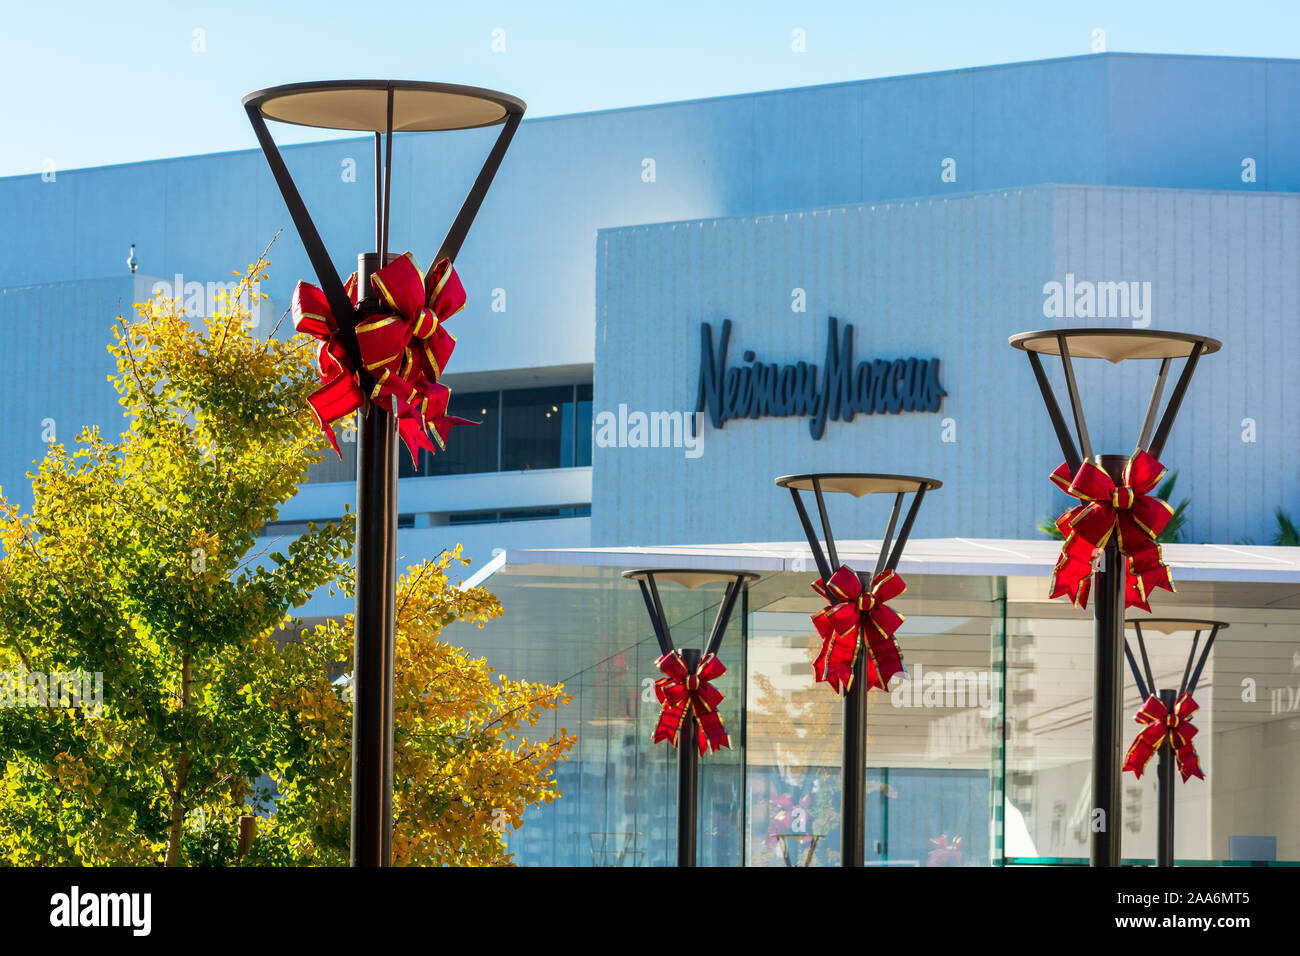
point(951, 278)
point(1112, 119)
point(54, 353)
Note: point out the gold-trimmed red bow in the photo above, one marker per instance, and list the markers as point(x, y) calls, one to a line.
point(405, 348)
point(1164, 727)
point(854, 617)
point(946, 852)
point(1128, 510)
point(681, 687)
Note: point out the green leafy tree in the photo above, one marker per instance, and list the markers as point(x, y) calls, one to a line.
point(138, 562)
point(1287, 535)
point(465, 769)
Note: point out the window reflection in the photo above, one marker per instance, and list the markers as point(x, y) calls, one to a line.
point(583, 429)
point(533, 432)
point(1247, 730)
point(516, 430)
point(470, 448)
point(982, 754)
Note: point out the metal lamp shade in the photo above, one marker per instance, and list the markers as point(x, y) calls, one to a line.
point(689, 578)
point(1115, 345)
point(362, 105)
point(857, 485)
point(1173, 625)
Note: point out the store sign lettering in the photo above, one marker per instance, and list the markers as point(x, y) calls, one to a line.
point(767, 390)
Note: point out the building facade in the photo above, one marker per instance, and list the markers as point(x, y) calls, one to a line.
point(670, 306)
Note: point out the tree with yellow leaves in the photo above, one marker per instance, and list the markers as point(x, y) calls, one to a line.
point(464, 773)
point(157, 687)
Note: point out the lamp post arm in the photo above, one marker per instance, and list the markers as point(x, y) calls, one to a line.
point(326, 274)
point(897, 554)
point(1063, 435)
point(1076, 404)
point(882, 558)
point(1153, 406)
point(1205, 655)
point(1137, 674)
point(823, 567)
point(1191, 657)
point(826, 525)
point(382, 249)
point(1175, 401)
point(724, 616)
point(455, 238)
point(656, 617)
point(1146, 661)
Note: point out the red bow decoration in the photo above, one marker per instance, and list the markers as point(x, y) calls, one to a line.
point(946, 852)
point(1129, 510)
point(1161, 726)
point(682, 688)
point(404, 347)
point(854, 616)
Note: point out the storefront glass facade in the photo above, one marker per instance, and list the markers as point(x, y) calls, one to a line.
point(947, 785)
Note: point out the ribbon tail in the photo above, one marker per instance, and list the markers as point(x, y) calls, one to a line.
point(884, 655)
point(710, 732)
point(1189, 764)
point(338, 396)
point(670, 722)
point(414, 437)
point(1139, 755)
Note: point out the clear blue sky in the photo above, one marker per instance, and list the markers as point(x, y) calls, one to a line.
point(95, 83)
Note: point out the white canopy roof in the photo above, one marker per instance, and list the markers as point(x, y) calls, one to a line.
point(966, 556)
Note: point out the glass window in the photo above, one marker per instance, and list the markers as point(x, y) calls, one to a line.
point(518, 430)
point(1247, 740)
point(534, 514)
point(405, 469)
point(532, 429)
point(566, 429)
point(340, 467)
point(930, 739)
point(519, 514)
point(472, 517)
point(583, 429)
point(470, 448)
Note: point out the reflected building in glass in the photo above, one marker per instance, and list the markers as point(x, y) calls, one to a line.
point(980, 758)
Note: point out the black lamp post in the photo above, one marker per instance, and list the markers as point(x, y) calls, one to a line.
point(1113, 345)
point(688, 761)
point(1168, 700)
point(381, 107)
point(853, 796)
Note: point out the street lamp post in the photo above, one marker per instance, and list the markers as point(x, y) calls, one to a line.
point(685, 689)
point(1113, 575)
point(854, 765)
point(380, 107)
point(1171, 718)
